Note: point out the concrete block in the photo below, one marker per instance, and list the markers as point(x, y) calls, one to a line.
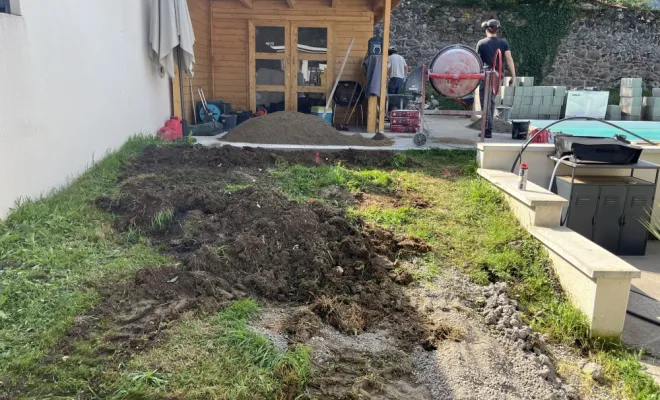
point(631, 91)
point(507, 101)
point(650, 113)
point(518, 81)
point(632, 110)
point(519, 91)
point(528, 81)
point(560, 91)
point(538, 91)
point(529, 91)
point(506, 81)
point(534, 111)
point(537, 100)
point(498, 100)
point(631, 82)
point(629, 117)
point(630, 102)
point(527, 101)
point(517, 100)
point(515, 112)
point(558, 101)
point(547, 100)
point(555, 110)
point(507, 91)
point(524, 111)
point(548, 91)
point(655, 92)
point(653, 102)
point(613, 113)
point(544, 110)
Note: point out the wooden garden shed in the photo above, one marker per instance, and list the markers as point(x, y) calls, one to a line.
point(284, 54)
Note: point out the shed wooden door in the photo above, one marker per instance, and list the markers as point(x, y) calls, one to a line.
point(288, 64)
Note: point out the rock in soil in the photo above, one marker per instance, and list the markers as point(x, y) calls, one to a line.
point(595, 371)
point(296, 128)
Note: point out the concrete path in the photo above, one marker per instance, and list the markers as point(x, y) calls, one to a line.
point(644, 300)
point(444, 132)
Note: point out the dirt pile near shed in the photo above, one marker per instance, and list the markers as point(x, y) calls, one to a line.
point(295, 128)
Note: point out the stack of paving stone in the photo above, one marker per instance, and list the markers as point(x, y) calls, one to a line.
point(613, 113)
point(531, 102)
point(631, 99)
point(651, 106)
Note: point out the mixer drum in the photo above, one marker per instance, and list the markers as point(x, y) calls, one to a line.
point(455, 59)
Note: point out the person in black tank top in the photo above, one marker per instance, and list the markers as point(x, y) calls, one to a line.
point(487, 48)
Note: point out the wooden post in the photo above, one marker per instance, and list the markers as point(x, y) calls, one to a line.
point(383, 77)
point(211, 44)
point(176, 93)
point(371, 114)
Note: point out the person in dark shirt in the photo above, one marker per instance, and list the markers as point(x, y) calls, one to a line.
point(487, 48)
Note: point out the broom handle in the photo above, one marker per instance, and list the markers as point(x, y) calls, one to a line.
point(341, 71)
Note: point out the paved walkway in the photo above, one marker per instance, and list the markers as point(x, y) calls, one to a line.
point(445, 132)
point(645, 301)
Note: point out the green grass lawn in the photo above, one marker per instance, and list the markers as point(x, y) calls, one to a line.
point(59, 253)
point(472, 230)
point(55, 256)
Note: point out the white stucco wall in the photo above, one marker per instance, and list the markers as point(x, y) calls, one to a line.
point(75, 82)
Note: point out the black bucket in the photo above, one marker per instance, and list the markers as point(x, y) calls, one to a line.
point(242, 116)
point(519, 130)
point(228, 121)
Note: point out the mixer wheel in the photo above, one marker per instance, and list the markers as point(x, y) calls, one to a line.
point(419, 139)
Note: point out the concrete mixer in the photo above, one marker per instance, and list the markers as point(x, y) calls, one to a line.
point(455, 72)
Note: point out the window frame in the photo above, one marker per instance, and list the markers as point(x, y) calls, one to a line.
point(7, 6)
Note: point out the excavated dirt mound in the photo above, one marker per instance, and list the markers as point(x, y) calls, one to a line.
point(295, 128)
point(256, 242)
point(253, 242)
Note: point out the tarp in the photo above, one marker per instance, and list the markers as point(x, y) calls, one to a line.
point(171, 27)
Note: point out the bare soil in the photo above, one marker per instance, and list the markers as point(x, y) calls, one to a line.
point(340, 287)
point(296, 128)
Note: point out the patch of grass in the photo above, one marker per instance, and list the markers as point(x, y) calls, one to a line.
point(55, 252)
point(162, 219)
point(303, 183)
point(472, 229)
point(232, 188)
point(218, 358)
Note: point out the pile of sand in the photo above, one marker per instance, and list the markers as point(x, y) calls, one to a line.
point(499, 126)
point(295, 128)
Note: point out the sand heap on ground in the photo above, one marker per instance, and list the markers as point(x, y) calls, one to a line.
point(295, 128)
point(499, 126)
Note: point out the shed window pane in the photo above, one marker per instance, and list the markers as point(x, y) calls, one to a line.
point(270, 39)
point(312, 40)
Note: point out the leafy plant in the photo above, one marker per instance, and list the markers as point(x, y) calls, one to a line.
point(653, 226)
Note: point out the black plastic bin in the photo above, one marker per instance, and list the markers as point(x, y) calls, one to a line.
point(228, 121)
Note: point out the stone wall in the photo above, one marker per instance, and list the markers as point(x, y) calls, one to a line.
point(603, 45)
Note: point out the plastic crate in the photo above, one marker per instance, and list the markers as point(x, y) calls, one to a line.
point(404, 128)
point(404, 113)
point(404, 121)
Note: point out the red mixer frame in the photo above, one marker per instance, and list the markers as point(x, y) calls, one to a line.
point(491, 78)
